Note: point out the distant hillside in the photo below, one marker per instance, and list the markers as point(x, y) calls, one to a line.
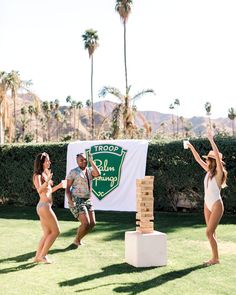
point(160, 123)
point(156, 119)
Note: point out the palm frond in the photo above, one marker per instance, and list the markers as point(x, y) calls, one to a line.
point(142, 93)
point(111, 90)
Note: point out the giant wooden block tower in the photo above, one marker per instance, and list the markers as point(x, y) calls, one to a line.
point(145, 247)
point(145, 202)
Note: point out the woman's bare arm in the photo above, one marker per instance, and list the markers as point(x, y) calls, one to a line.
point(56, 187)
point(197, 157)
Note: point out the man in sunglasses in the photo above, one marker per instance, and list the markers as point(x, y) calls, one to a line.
point(78, 192)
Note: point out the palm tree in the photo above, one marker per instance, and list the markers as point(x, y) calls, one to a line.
point(171, 107)
point(14, 84)
point(59, 118)
point(177, 104)
point(187, 128)
point(65, 115)
point(72, 107)
point(31, 112)
point(122, 114)
point(79, 106)
point(163, 126)
point(24, 121)
point(208, 112)
point(46, 107)
point(88, 105)
point(90, 38)
point(232, 116)
point(123, 7)
point(37, 110)
point(56, 104)
point(4, 106)
point(69, 100)
point(147, 126)
point(57, 115)
point(52, 105)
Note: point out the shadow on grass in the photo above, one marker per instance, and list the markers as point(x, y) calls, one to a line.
point(131, 288)
point(19, 258)
point(117, 223)
point(115, 269)
point(18, 268)
point(30, 255)
point(60, 250)
point(135, 288)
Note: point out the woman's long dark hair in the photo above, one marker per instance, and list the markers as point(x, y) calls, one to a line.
point(38, 164)
point(212, 168)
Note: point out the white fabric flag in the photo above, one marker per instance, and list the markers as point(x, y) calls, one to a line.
point(121, 162)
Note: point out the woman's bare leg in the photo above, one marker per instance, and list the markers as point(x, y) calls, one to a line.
point(51, 231)
point(214, 219)
point(42, 241)
point(207, 214)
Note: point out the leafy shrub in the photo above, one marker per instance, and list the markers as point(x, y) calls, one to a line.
point(178, 178)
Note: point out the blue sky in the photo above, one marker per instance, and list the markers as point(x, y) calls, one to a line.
point(183, 49)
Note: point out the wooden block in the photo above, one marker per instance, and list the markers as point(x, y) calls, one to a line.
point(145, 199)
point(144, 194)
point(147, 188)
point(146, 224)
point(141, 215)
point(148, 183)
point(144, 209)
point(147, 215)
point(149, 177)
point(146, 203)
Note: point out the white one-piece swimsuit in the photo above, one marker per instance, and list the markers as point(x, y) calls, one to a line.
point(212, 191)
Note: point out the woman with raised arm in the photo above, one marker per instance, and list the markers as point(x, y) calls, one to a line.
point(215, 179)
point(42, 179)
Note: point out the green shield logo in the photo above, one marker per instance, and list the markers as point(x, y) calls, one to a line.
point(109, 159)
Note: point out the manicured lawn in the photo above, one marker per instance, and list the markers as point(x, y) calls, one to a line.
point(99, 267)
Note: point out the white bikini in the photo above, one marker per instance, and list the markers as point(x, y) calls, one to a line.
point(212, 191)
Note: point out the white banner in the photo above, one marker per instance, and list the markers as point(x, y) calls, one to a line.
point(121, 162)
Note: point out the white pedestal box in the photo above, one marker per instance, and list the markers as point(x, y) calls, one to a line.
point(145, 250)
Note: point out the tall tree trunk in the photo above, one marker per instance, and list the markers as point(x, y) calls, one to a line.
point(177, 123)
point(36, 131)
point(57, 131)
point(49, 136)
point(233, 129)
point(92, 96)
point(74, 123)
point(2, 131)
point(125, 62)
point(173, 125)
point(14, 105)
point(78, 124)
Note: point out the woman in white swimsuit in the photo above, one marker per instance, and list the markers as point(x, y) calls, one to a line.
point(42, 179)
point(215, 179)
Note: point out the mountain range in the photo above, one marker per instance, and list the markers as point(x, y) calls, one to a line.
point(162, 124)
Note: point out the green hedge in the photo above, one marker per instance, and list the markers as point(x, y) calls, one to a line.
point(17, 161)
point(177, 175)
